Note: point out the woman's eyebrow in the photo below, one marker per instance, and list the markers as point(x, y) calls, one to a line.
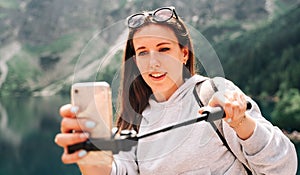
point(159, 44)
point(140, 48)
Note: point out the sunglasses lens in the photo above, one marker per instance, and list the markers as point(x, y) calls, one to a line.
point(136, 20)
point(162, 15)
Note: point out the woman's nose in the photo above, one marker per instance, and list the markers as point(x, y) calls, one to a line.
point(153, 61)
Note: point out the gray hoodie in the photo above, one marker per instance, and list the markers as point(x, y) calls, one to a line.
point(196, 148)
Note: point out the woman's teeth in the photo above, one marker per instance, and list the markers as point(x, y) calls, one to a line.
point(156, 75)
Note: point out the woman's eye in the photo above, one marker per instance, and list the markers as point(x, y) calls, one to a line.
point(164, 49)
point(143, 53)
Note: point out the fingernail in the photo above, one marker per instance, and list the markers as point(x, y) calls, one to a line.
point(82, 153)
point(74, 109)
point(90, 124)
point(84, 135)
point(229, 120)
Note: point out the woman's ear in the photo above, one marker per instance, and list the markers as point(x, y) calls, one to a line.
point(185, 52)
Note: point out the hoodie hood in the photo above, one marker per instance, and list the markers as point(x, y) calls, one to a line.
point(181, 106)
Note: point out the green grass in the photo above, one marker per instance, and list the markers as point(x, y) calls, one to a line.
point(2, 15)
point(57, 46)
point(20, 71)
point(23, 68)
point(9, 4)
point(281, 8)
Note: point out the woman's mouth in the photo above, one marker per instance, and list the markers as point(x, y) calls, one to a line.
point(157, 76)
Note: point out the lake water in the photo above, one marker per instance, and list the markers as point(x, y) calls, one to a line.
point(27, 130)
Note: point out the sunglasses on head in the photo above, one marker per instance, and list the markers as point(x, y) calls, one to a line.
point(162, 14)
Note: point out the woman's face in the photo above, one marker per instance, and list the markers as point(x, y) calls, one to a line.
point(159, 59)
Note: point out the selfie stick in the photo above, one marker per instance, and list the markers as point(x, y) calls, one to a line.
point(128, 139)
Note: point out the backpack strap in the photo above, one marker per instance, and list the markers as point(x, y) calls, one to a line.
point(196, 94)
point(222, 138)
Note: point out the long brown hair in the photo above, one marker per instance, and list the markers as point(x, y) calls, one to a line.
point(134, 92)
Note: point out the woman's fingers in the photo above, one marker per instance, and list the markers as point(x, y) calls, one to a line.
point(72, 132)
point(74, 124)
point(233, 102)
point(201, 110)
point(65, 139)
point(68, 111)
point(219, 99)
point(69, 125)
point(74, 157)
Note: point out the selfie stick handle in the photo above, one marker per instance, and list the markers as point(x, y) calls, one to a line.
point(114, 145)
point(125, 143)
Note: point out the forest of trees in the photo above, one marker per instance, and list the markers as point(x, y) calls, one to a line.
point(265, 63)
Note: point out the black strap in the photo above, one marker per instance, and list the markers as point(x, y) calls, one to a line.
point(196, 94)
point(222, 138)
point(213, 85)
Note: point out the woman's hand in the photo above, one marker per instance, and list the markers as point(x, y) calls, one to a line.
point(234, 105)
point(72, 132)
point(75, 130)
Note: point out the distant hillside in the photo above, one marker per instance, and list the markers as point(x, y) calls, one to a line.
point(262, 60)
point(52, 34)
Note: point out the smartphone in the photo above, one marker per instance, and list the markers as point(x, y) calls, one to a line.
point(94, 102)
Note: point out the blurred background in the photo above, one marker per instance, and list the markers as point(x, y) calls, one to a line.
point(43, 49)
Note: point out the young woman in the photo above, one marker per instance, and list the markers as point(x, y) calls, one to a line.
point(157, 89)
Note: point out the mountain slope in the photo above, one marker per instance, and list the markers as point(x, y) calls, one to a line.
point(264, 59)
point(54, 33)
